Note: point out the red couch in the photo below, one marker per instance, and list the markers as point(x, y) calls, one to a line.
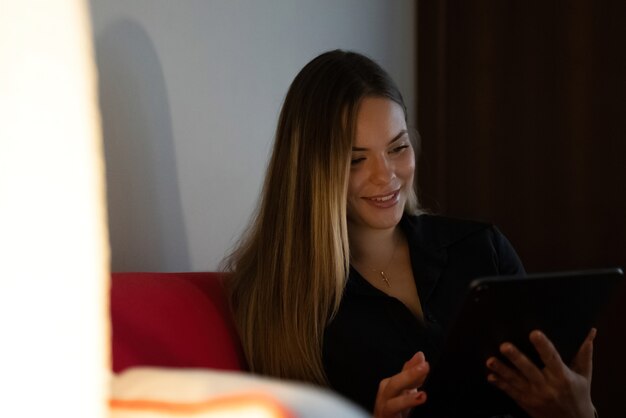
point(172, 320)
point(181, 321)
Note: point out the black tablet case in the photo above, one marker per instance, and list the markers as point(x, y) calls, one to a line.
point(498, 309)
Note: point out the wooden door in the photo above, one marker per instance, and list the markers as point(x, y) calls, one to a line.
point(522, 114)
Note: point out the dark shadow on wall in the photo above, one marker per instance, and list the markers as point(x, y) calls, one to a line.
point(146, 223)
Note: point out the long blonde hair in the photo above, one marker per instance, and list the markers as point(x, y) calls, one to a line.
point(290, 268)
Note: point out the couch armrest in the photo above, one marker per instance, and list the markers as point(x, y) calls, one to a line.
point(172, 320)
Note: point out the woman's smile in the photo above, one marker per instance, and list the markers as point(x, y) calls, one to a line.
point(385, 200)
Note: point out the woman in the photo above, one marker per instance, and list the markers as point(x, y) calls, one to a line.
point(341, 281)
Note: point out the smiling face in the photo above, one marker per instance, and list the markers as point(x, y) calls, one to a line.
point(382, 167)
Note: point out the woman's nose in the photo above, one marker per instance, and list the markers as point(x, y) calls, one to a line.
point(382, 171)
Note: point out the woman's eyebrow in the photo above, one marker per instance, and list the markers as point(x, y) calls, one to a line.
point(395, 138)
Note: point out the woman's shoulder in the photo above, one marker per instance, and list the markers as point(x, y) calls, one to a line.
point(441, 231)
point(436, 234)
point(449, 221)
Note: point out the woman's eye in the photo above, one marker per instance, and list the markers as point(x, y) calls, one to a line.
point(399, 149)
point(355, 161)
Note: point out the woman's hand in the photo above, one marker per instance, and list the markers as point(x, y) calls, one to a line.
point(556, 390)
point(398, 394)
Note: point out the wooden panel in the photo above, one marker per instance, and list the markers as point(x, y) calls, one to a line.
point(522, 113)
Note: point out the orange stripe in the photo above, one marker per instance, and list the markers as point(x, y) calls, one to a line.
point(271, 405)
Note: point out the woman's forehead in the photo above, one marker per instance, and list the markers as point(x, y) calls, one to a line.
point(379, 121)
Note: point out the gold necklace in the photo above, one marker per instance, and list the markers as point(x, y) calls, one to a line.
point(382, 274)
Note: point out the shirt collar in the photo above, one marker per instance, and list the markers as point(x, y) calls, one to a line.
point(429, 237)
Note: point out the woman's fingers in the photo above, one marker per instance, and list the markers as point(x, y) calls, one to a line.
point(508, 388)
point(398, 393)
point(525, 367)
point(402, 403)
point(583, 362)
point(417, 358)
point(411, 378)
point(547, 352)
point(555, 390)
point(501, 371)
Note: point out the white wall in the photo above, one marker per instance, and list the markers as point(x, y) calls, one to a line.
point(190, 93)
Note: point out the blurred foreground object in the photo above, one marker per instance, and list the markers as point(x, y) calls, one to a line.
point(53, 239)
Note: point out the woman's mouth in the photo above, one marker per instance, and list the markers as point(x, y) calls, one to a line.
point(384, 201)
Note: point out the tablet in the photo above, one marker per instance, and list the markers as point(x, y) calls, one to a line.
point(498, 309)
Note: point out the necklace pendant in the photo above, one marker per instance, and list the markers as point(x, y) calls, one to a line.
point(382, 274)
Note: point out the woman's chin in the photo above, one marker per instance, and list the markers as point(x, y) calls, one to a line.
point(379, 219)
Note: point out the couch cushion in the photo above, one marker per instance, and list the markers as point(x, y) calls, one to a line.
point(158, 393)
point(172, 320)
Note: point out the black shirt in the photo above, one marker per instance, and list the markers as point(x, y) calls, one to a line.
point(374, 334)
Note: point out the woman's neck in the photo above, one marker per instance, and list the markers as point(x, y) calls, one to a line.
point(372, 246)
